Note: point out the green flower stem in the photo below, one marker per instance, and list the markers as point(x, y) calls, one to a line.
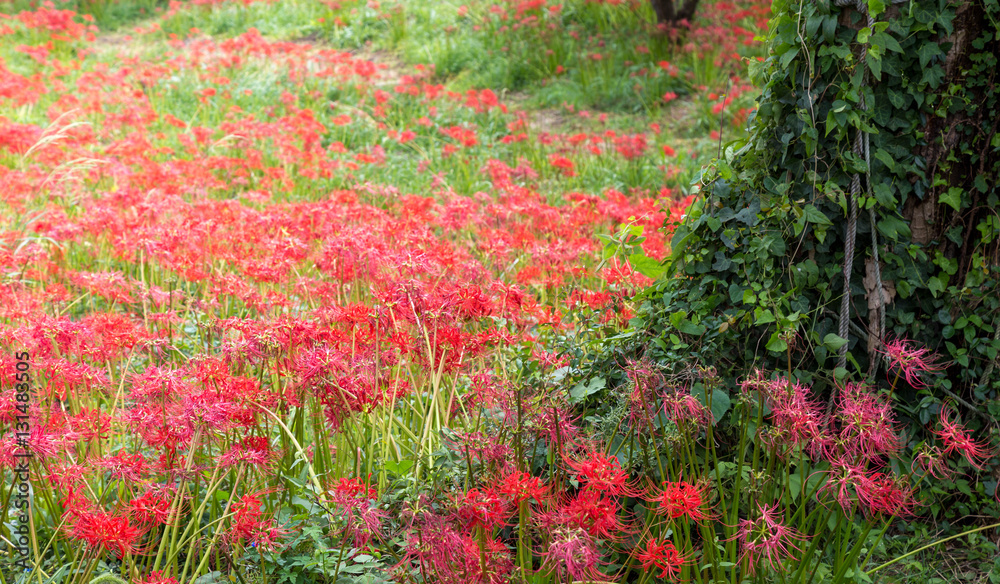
point(928, 546)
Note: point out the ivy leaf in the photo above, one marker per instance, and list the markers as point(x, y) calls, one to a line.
point(883, 194)
point(747, 217)
point(952, 198)
point(980, 183)
point(689, 328)
point(875, 64)
point(830, 28)
point(876, 7)
point(886, 40)
point(935, 285)
point(585, 388)
point(647, 266)
point(897, 98)
point(814, 215)
point(762, 316)
point(812, 25)
point(788, 56)
point(933, 76)
point(882, 110)
point(928, 51)
point(894, 227)
point(776, 343)
point(833, 342)
point(886, 159)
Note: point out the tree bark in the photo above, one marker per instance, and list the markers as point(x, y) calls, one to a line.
point(668, 13)
point(929, 219)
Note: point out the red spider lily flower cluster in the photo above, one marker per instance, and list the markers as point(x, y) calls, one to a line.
point(910, 361)
point(956, 438)
point(766, 538)
point(663, 556)
point(680, 499)
point(857, 439)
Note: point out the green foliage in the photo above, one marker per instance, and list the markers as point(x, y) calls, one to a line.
point(108, 15)
point(107, 579)
point(755, 278)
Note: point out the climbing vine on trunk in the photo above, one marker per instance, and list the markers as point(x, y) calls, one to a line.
point(757, 276)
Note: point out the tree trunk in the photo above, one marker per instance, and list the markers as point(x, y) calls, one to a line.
point(667, 13)
point(664, 10)
point(959, 148)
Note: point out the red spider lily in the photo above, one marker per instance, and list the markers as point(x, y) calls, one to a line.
point(124, 466)
point(572, 556)
point(911, 361)
point(631, 147)
point(353, 489)
point(957, 439)
point(451, 557)
point(564, 164)
point(841, 480)
point(645, 381)
point(683, 408)
point(479, 447)
point(253, 450)
point(104, 531)
point(362, 517)
point(886, 495)
point(521, 486)
point(250, 525)
point(662, 556)
point(595, 513)
point(678, 500)
point(795, 414)
point(152, 507)
point(157, 578)
point(603, 473)
point(867, 423)
point(766, 538)
point(932, 461)
point(482, 508)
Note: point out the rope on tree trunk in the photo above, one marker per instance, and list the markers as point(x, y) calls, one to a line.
point(861, 150)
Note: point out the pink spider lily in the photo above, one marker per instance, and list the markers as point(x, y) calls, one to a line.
point(911, 362)
point(766, 538)
point(957, 439)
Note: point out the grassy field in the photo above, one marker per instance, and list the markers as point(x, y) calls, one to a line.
point(291, 290)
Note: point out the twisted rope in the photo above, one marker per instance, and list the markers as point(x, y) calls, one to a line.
point(861, 150)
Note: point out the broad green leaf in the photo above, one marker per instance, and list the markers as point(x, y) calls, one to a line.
point(398, 468)
point(886, 159)
point(776, 343)
point(763, 316)
point(833, 342)
point(720, 402)
point(952, 198)
point(647, 266)
point(893, 227)
point(786, 59)
point(875, 64)
point(928, 51)
point(689, 328)
point(936, 286)
point(814, 215)
point(886, 40)
point(585, 388)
